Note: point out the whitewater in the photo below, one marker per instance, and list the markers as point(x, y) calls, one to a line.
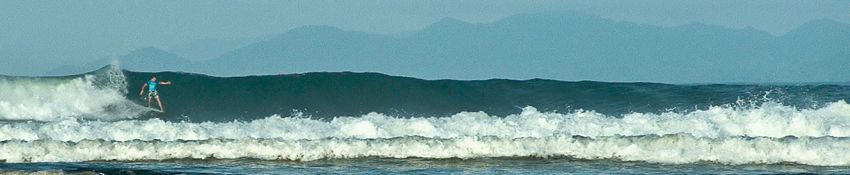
point(94, 117)
point(99, 95)
point(768, 134)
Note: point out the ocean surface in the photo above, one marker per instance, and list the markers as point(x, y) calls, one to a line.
point(319, 123)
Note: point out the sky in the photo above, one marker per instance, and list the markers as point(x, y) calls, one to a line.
point(37, 36)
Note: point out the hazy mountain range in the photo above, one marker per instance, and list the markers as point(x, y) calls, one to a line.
point(563, 46)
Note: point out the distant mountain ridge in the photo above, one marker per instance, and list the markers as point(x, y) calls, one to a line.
point(564, 46)
point(143, 59)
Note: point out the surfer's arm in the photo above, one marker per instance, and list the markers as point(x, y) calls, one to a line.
point(143, 89)
point(165, 83)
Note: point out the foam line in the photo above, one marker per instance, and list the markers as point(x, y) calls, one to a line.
point(769, 120)
point(661, 149)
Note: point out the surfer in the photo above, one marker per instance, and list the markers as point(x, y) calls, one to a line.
point(152, 93)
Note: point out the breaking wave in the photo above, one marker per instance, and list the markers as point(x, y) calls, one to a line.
point(771, 133)
point(97, 95)
point(769, 120)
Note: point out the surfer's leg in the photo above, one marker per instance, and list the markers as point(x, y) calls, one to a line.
point(161, 109)
point(149, 100)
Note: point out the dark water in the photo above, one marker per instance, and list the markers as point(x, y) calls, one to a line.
point(328, 95)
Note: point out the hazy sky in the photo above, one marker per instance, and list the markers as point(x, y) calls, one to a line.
point(36, 36)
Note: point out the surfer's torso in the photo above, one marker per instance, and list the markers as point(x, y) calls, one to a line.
point(152, 86)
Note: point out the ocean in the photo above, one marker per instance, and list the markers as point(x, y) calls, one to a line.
point(370, 123)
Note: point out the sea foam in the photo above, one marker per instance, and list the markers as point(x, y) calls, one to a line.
point(99, 95)
point(660, 149)
point(768, 120)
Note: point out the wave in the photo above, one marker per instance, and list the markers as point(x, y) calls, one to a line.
point(661, 149)
point(769, 120)
point(98, 95)
point(103, 95)
point(328, 95)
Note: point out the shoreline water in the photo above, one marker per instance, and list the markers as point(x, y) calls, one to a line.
point(414, 166)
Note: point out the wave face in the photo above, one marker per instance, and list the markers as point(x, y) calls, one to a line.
point(328, 95)
point(304, 117)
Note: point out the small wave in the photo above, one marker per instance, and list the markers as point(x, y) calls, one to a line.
point(768, 120)
point(660, 149)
